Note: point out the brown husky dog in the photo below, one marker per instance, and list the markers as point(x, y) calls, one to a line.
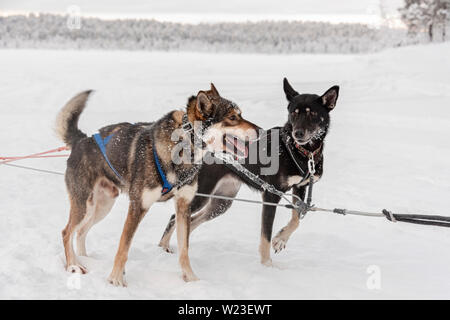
point(138, 159)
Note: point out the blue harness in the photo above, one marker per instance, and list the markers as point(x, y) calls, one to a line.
point(102, 145)
point(167, 186)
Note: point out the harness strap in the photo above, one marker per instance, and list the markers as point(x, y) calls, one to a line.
point(287, 143)
point(188, 128)
point(255, 180)
point(310, 155)
point(167, 186)
point(102, 146)
point(196, 136)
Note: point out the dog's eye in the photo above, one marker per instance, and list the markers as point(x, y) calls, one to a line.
point(232, 117)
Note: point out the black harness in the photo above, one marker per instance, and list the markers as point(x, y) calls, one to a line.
point(307, 171)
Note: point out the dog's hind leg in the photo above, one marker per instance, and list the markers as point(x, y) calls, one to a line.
point(165, 240)
point(280, 240)
point(103, 198)
point(81, 237)
point(195, 208)
point(77, 213)
point(268, 215)
point(228, 187)
point(213, 209)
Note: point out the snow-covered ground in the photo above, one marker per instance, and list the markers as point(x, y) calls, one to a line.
point(388, 147)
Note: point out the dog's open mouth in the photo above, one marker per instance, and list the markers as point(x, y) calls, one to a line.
point(301, 142)
point(235, 146)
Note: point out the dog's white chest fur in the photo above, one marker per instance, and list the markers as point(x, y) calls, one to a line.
point(150, 196)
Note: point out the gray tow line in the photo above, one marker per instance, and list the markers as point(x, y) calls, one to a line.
point(300, 206)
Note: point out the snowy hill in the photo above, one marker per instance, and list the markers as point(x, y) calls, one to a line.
point(388, 148)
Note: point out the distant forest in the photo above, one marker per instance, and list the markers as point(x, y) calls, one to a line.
point(55, 32)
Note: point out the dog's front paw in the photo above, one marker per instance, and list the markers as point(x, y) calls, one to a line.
point(188, 277)
point(78, 268)
point(117, 280)
point(267, 262)
point(278, 244)
point(167, 249)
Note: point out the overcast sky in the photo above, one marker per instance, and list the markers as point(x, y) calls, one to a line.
point(357, 7)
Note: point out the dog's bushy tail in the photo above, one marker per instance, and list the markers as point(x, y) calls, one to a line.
point(67, 120)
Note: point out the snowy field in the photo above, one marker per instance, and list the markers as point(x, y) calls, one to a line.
point(388, 147)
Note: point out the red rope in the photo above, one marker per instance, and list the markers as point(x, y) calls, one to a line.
point(43, 154)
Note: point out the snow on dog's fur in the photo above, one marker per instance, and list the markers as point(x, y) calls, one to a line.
point(93, 186)
point(308, 122)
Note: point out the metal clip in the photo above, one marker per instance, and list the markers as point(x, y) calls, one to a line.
point(311, 165)
point(187, 127)
point(302, 209)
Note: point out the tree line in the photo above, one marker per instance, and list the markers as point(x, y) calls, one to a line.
point(430, 16)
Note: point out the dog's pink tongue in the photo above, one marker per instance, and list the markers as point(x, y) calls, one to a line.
point(240, 145)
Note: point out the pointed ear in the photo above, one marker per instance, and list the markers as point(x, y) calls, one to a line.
point(214, 90)
point(204, 104)
point(329, 98)
point(288, 90)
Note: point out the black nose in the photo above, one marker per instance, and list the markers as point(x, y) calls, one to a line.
point(299, 134)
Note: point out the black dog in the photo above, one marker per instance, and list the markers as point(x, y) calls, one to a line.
point(300, 139)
